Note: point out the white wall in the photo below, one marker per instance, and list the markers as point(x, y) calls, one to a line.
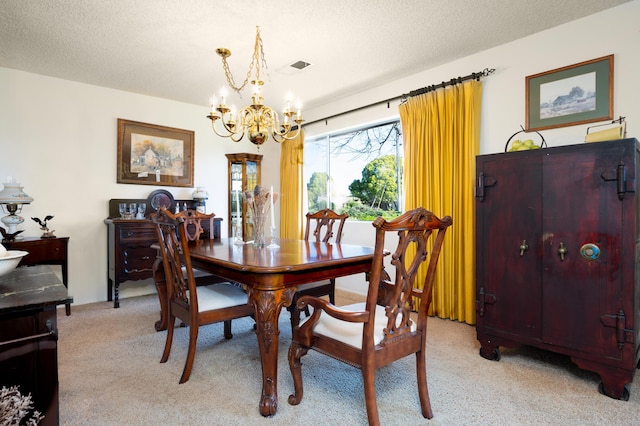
point(614, 31)
point(58, 138)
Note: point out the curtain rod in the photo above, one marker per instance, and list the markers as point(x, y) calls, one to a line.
point(473, 76)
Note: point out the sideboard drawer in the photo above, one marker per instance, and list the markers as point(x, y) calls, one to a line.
point(41, 250)
point(137, 234)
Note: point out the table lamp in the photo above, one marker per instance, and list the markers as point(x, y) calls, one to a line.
point(200, 195)
point(12, 198)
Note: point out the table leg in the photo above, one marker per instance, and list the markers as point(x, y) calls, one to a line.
point(267, 305)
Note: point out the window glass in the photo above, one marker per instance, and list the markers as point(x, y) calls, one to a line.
point(358, 172)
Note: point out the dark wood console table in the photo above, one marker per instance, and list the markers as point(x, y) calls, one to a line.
point(131, 256)
point(29, 335)
point(44, 251)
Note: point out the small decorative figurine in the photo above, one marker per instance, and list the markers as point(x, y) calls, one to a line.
point(9, 237)
point(43, 225)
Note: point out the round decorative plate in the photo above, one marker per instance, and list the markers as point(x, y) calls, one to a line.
point(160, 198)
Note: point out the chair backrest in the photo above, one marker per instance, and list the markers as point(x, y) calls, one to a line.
point(174, 248)
point(420, 237)
point(322, 223)
point(193, 223)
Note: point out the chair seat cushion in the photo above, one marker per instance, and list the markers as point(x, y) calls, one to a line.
point(351, 332)
point(309, 286)
point(197, 273)
point(218, 296)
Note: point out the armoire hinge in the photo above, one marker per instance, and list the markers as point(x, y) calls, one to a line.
point(618, 321)
point(482, 182)
point(484, 299)
point(619, 175)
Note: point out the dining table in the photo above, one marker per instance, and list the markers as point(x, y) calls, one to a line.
point(270, 276)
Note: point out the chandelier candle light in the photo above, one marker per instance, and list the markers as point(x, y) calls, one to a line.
point(257, 120)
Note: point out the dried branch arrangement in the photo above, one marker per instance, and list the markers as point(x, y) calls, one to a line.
point(15, 407)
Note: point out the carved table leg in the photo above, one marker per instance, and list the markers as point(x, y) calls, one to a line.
point(267, 305)
point(161, 287)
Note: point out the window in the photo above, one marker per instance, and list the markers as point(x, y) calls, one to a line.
point(357, 172)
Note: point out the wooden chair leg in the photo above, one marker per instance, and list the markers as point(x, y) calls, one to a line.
point(295, 353)
point(227, 329)
point(191, 353)
point(169, 340)
point(295, 314)
point(423, 390)
point(369, 378)
point(332, 294)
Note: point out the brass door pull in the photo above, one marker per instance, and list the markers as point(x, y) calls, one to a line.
point(523, 247)
point(562, 251)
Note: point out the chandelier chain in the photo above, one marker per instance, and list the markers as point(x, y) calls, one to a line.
point(258, 52)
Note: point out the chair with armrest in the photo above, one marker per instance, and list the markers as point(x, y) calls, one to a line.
point(377, 332)
point(194, 305)
point(319, 228)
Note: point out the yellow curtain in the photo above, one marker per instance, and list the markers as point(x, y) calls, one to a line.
point(441, 136)
point(291, 189)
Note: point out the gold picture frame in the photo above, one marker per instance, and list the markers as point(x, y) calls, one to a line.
point(149, 154)
point(568, 96)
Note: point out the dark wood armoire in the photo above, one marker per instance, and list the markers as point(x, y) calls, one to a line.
point(557, 255)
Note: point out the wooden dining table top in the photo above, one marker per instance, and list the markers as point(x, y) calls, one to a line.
point(292, 257)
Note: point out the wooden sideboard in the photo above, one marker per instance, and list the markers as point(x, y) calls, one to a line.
point(29, 336)
point(44, 251)
point(129, 245)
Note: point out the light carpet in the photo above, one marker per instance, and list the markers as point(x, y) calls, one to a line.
point(110, 374)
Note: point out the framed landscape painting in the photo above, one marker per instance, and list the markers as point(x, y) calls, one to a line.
point(575, 94)
point(149, 154)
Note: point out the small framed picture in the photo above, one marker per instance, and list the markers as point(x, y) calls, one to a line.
point(571, 95)
point(149, 154)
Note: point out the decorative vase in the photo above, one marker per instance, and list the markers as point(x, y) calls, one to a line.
point(259, 201)
point(259, 225)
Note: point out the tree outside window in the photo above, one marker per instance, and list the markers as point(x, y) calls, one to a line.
point(357, 172)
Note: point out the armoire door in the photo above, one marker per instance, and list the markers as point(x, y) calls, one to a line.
point(582, 233)
point(508, 209)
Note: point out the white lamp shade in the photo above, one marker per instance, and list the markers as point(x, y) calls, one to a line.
point(13, 194)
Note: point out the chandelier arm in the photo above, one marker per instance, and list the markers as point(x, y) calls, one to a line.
point(286, 137)
point(227, 127)
point(239, 137)
point(213, 126)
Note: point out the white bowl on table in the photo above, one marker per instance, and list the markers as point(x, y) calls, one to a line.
point(10, 260)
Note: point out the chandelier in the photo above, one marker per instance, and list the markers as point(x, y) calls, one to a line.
point(257, 120)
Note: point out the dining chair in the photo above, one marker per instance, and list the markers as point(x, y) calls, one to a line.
point(194, 305)
point(377, 332)
point(195, 231)
point(319, 228)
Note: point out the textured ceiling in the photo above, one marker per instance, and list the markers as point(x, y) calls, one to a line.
point(166, 48)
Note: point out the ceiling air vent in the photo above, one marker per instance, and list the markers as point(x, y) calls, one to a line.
point(300, 65)
point(294, 67)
